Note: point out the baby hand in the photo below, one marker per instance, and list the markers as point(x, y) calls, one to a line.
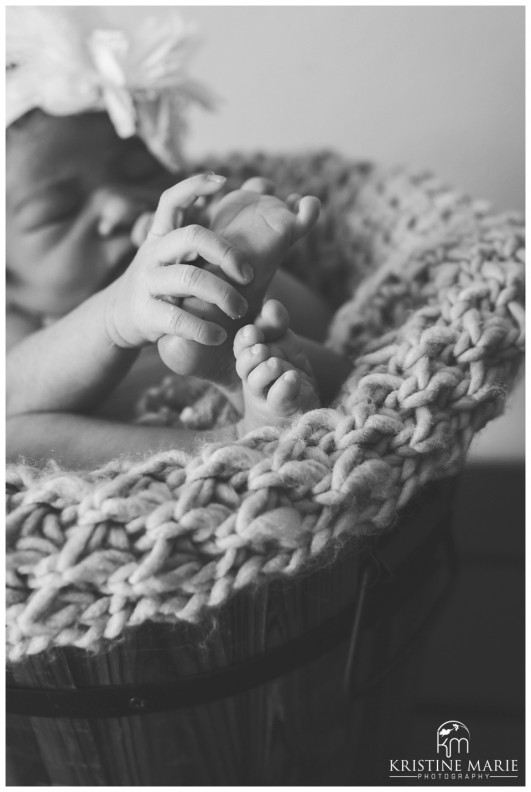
point(143, 303)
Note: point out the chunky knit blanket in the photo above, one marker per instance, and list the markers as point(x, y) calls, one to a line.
point(428, 287)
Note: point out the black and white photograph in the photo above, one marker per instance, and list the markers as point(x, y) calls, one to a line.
point(265, 395)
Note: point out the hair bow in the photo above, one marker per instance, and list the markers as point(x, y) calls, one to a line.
point(139, 76)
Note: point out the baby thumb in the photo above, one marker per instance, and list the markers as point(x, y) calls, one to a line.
point(141, 228)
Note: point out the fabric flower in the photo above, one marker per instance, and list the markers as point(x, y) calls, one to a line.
point(138, 76)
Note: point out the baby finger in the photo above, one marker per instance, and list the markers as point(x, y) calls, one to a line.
point(181, 244)
point(181, 280)
point(141, 228)
point(169, 319)
point(182, 196)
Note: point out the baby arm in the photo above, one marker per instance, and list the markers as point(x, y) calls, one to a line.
point(81, 441)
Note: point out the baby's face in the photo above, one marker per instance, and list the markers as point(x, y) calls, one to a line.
point(74, 191)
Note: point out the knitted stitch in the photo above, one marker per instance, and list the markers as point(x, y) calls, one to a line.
point(436, 336)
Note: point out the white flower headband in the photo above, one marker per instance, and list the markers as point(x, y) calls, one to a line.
point(138, 77)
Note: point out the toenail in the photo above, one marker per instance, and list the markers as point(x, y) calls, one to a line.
point(272, 362)
point(291, 376)
point(255, 349)
point(246, 332)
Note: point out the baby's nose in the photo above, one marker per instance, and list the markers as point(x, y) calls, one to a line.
point(117, 212)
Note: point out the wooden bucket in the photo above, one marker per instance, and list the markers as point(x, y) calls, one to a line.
point(292, 683)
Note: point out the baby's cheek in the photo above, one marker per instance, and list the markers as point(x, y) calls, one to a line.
point(56, 281)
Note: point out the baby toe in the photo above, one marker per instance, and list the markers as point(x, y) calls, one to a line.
point(308, 211)
point(283, 394)
point(263, 375)
point(249, 358)
point(273, 320)
point(246, 337)
point(259, 184)
point(293, 201)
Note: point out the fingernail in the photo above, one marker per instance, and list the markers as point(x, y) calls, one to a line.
point(247, 272)
point(255, 349)
point(214, 177)
point(272, 363)
point(242, 309)
point(246, 332)
point(291, 376)
point(221, 335)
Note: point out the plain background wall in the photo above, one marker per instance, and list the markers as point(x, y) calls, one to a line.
point(436, 87)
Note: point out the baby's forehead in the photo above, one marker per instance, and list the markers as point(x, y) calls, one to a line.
point(46, 145)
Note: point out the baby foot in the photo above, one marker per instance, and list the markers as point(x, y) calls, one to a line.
point(277, 379)
point(263, 228)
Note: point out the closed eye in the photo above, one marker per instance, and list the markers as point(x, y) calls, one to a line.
point(46, 221)
point(60, 217)
point(50, 209)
